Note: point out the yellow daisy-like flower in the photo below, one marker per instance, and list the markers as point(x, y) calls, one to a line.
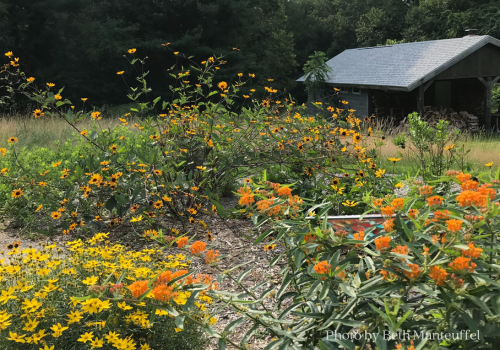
point(222, 85)
point(399, 185)
point(120, 72)
point(57, 97)
point(89, 281)
point(132, 51)
point(17, 193)
point(350, 203)
point(55, 215)
point(30, 79)
point(489, 164)
point(12, 140)
point(51, 84)
point(394, 160)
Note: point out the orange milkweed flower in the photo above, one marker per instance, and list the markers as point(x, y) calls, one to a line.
point(138, 288)
point(442, 214)
point(454, 225)
point(400, 249)
point(382, 242)
point(397, 203)
point(414, 273)
point(181, 242)
point(341, 274)
point(438, 274)
point(425, 190)
point(285, 192)
point(359, 236)
point(198, 247)
point(378, 202)
point(472, 252)
point(323, 267)
point(413, 213)
point(211, 256)
point(387, 211)
point(163, 293)
point(435, 200)
point(388, 225)
point(469, 185)
point(463, 177)
point(461, 264)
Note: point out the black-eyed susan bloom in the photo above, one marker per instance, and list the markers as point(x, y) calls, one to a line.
point(17, 193)
point(55, 215)
point(38, 113)
point(350, 203)
point(12, 139)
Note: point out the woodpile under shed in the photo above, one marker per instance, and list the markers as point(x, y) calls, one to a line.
point(462, 121)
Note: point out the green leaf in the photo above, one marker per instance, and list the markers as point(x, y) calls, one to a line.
point(324, 291)
point(179, 321)
point(229, 328)
point(262, 236)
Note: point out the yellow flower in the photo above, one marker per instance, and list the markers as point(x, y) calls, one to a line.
point(139, 218)
point(222, 85)
point(46, 347)
point(17, 338)
point(38, 113)
point(12, 140)
point(132, 51)
point(30, 79)
point(394, 160)
point(176, 52)
point(39, 207)
point(50, 84)
point(399, 185)
point(96, 343)
point(86, 337)
point(350, 203)
point(449, 148)
point(57, 97)
point(489, 164)
point(9, 54)
point(89, 281)
point(380, 172)
point(17, 193)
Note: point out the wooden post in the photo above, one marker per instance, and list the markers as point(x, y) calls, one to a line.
point(488, 84)
point(421, 94)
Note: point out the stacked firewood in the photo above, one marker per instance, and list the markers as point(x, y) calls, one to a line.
point(462, 121)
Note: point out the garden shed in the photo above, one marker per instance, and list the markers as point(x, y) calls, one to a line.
point(395, 80)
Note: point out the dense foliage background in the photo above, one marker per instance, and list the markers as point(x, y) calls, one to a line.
point(80, 44)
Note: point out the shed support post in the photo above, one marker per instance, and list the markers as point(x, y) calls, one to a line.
point(488, 84)
point(421, 94)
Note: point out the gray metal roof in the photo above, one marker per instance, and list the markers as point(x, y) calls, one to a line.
point(403, 66)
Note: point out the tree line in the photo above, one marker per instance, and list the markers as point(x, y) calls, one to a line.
point(80, 43)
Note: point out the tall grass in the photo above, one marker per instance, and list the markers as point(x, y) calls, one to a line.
point(43, 132)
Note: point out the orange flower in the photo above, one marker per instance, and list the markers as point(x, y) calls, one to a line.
point(247, 199)
point(181, 242)
point(487, 192)
point(461, 263)
point(378, 202)
point(426, 251)
point(442, 214)
point(397, 203)
point(425, 190)
point(323, 267)
point(387, 211)
point(438, 274)
point(138, 288)
point(310, 238)
point(435, 200)
point(382, 242)
point(454, 225)
point(400, 249)
point(414, 273)
point(285, 192)
point(359, 236)
point(469, 185)
point(388, 225)
point(340, 274)
point(198, 247)
point(413, 213)
point(472, 252)
point(435, 239)
point(211, 256)
point(163, 293)
point(463, 177)
point(468, 198)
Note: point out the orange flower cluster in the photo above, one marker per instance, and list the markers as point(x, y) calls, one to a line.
point(323, 267)
point(181, 242)
point(414, 273)
point(382, 242)
point(274, 186)
point(472, 252)
point(454, 225)
point(211, 256)
point(461, 264)
point(359, 236)
point(474, 217)
point(166, 276)
point(285, 192)
point(163, 293)
point(138, 288)
point(198, 247)
point(435, 200)
point(424, 190)
point(398, 203)
point(388, 225)
point(378, 202)
point(400, 249)
point(413, 213)
point(469, 185)
point(463, 177)
point(387, 211)
point(342, 274)
point(246, 196)
point(444, 215)
point(438, 274)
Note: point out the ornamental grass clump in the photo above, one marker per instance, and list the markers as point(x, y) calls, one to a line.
point(92, 294)
point(433, 274)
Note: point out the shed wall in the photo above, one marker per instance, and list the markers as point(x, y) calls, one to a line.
point(358, 102)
